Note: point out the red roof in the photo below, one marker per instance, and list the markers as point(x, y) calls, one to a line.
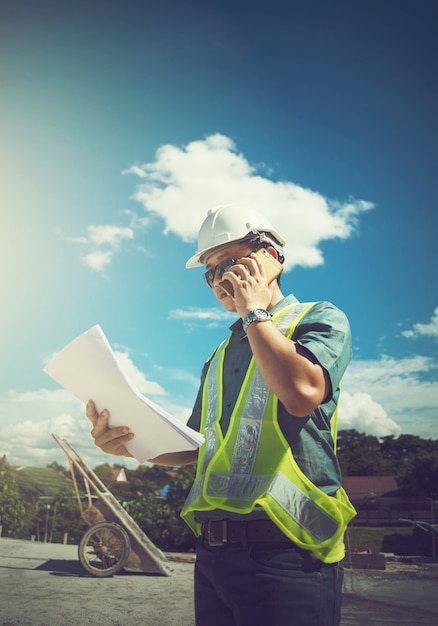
point(361, 486)
point(171, 473)
point(119, 475)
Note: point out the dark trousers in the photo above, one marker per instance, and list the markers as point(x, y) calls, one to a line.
point(269, 583)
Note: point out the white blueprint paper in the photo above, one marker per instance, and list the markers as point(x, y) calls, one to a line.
point(88, 368)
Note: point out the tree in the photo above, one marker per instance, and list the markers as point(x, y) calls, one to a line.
point(405, 447)
point(105, 473)
point(59, 469)
point(146, 480)
point(160, 518)
point(66, 519)
point(359, 454)
point(11, 503)
point(419, 477)
point(162, 523)
point(179, 486)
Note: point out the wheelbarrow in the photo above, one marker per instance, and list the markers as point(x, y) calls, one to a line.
point(113, 541)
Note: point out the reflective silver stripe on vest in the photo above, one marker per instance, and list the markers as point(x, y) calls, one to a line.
point(213, 396)
point(210, 441)
point(213, 390)
point(238, 486)
point(248, 438)
point(250, 430)
point(302, 509)
point(291, 315)
point(294, 502)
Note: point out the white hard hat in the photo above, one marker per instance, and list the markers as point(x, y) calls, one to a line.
point(228, 224)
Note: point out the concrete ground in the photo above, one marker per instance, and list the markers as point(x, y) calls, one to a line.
point(45, 585)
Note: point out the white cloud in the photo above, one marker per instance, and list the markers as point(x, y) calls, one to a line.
point(182, 183)
point(145, 386)
point(82, 240)
point(380, 397)
point(406, 390)
point(361, 412)
point(428, 330)
point(137, 223)
point(98, 260)
point(109, 234)
point(104, 240)
point(210, 318)
point(29, 418)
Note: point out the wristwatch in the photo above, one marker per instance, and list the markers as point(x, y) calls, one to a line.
point(258, 315)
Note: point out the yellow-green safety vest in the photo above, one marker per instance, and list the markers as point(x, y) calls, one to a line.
point(254, 465)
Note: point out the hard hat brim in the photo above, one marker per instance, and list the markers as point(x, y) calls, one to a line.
point(195, 260)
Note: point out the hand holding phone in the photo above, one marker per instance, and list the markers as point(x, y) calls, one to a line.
point(273, 269)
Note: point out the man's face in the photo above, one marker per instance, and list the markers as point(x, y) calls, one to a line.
point(217, 262)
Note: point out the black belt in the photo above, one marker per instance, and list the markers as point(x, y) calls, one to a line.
point(220, 531)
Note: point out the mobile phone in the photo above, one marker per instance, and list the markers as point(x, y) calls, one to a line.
point(272, 267)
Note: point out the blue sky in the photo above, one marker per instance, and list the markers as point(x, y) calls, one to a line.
point(122, 123)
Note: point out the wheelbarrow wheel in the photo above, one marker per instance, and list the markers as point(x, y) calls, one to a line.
point(104, 549)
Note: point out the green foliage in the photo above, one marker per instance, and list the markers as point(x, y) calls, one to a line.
point(160, 518)
point(406, 446)
point(105, 473)
point(11, 502)
point(50, 520)
point(411, 459)
point(161, 523)
point(65, 519)
point(418, 478)
point(146, 480)
point(59, 469)
point(180, 485)
point(359, 454)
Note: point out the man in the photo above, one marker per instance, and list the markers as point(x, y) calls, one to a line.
point(267, 503)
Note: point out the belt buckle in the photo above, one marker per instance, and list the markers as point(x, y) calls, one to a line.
point(215, 542)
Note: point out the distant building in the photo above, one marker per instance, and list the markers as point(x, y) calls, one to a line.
point(359, 487)
point(119, 476)
point(378, 501)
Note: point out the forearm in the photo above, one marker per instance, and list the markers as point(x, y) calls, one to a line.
point(175, 459)
point(299, 383)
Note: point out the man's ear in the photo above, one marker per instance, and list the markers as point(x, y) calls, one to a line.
point(272, 251)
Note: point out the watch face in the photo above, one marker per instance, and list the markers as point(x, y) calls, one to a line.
point(261, 314)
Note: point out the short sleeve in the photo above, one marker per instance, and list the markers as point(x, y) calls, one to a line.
point(325, 332)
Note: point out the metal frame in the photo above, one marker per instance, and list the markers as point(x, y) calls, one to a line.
point(144, 556)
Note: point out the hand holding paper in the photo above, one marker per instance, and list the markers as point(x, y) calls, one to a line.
point(88, 368)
